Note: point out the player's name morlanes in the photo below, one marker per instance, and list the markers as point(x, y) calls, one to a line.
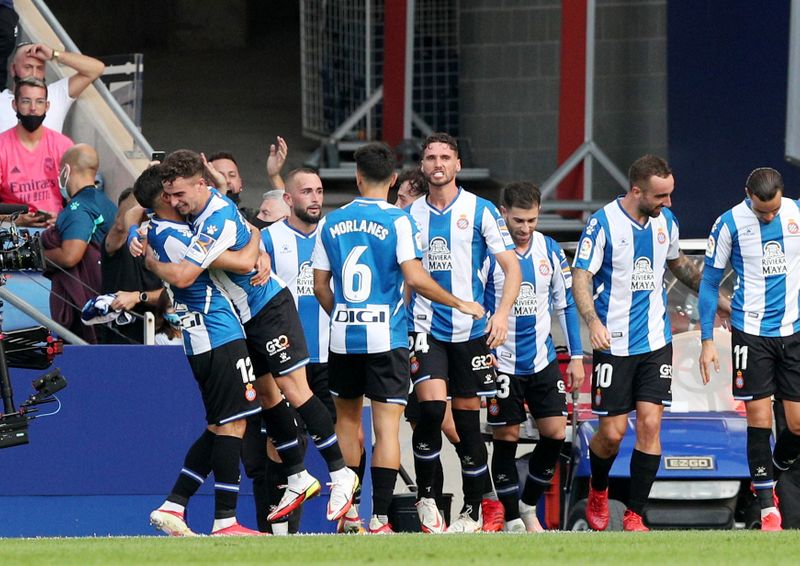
point(368, 226)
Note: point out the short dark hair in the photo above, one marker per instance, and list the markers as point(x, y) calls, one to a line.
point(148, 187)
point(222, 155)
point(375, 161)
point(764, 183)
point(183, 163)
point(416, 180)
point(440, 137)
point(300, 170)
point(124, 194)
point(645, 167)
point(29, 81)
point(521, 194)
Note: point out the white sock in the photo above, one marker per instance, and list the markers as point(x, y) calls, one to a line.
point(175, 507)
point(768, 510)
point(341, 475)
point(300, 478)
point(223, 524)
point(525, 508)
point(280, 529)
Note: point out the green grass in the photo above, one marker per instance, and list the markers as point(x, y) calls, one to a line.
point(557, 549)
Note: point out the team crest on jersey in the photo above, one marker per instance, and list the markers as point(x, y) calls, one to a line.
point(586, 249)
point(525, 305)
point(250, 393)
point(773, 262)
point(739, 379)
point(792, 227)
point(643, 278)
point(50, 166)
point(494, 407)
point(414, 364)
point(544, 267)
point(711, 246)
point(462, 222)
point(305, 280)
point(661, 237)
point(439, 257)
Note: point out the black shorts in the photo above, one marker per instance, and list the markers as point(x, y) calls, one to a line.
point(318, 382)
point(275, 337)
point(381, 377)
point(468, 367)
point(764, 366)
point(618, 382)
point(543, 391)
point(225, 376)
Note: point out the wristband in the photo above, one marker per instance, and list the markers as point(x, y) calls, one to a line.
point(133, 234)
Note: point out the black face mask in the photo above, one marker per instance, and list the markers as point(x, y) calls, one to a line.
point(259, 224)
point(29, 122)
point(234, 197)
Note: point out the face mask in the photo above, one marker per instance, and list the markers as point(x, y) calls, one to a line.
point(29, 122)
point(63, 178)
point(258, 223)
point(234, 197)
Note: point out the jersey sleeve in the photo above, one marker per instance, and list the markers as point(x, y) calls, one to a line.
point(591, 247)
point(494, 282)
point(212, 239)
point(718, 247)
point(319, 259)
point(409, 241)
point(562, 276)
point(268, 244)
point(674, 250)
point(76, 225)
point(495, 231)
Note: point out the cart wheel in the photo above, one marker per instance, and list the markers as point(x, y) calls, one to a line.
point(577, 516)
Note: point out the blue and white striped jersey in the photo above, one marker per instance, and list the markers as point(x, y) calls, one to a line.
point(220, 227)
point(207, 315)
point(766, 260)
point(628, 261)
point(291, 253)
point(455, 241)
point(546, 286)
point(363, 244)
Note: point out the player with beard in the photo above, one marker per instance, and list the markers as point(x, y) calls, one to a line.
point(273, 331)
point(528, 371)
point(623, 254)
point(451, 351)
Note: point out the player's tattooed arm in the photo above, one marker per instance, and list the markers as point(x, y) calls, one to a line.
point(582, 293)
point(686, 271)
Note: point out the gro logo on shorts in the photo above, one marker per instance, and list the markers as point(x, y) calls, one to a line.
point(278, 344)
point(483, 362)
point(665, 371)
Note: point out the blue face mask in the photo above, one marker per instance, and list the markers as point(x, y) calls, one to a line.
point(63, 177)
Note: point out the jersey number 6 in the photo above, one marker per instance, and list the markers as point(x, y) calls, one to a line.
point(356, 277)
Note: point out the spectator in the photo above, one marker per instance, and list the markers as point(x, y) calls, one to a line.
point(29, 61)
point(73, 244)
point(137, 289)
point(272, 209)
point(29, 156)
point(8, 34)
point(411, 185)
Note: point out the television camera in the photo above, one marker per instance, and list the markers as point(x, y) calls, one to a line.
point(32, 348)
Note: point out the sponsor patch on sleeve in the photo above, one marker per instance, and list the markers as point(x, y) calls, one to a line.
point(711, 246)
point(586, 249)
point(200, 248)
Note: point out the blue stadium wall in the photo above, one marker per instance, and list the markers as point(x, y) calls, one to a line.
point(112, 453)
point(728, 63)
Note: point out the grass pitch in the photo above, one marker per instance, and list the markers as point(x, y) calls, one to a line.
point(555, 548)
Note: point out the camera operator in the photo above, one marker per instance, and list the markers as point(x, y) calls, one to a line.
point(73, 243)
point(29, 156)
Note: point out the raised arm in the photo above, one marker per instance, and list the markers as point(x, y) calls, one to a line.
point(86, 68)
